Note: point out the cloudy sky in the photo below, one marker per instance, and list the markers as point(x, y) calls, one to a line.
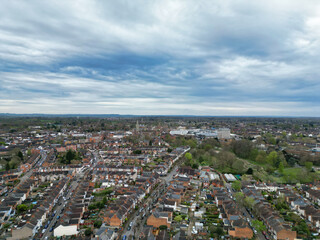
point(219, 57)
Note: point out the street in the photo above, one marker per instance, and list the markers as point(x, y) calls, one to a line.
point(139, 217)
point(60, 205)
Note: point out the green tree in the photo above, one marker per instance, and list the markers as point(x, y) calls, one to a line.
point(249, 202)
point(178, 218)
point(258, 225)
point(70, 156)
point(308, 165)
point(192, 143)
point(20, 155)
point(272, 158)
point(22, 208)
point(14, 162)
point(239, 196)
point(163, 227)
point(261, 157)
point(253, 154)
point(88, 232)
point(281, 167)
point(236, 185)
point(195, 165)
point(238, 166)
point(188, 156)
point(92, 206)
point(242, 148)
point(8, 166)
point(97, 223)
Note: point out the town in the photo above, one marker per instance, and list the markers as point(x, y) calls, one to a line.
point(150, 178)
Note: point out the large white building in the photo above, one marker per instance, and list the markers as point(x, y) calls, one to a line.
point(68, 230)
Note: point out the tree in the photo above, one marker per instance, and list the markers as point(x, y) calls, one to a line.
point(272, 158)
point(253, 154)
point(20, 155)
point(70, 156)
point(192, 143)
point(258, 225)
point(7, 166)
point(188, 159)
point(97, 223)
point(242, 148)
point(226, 159)
point(178, 218)
point(308, 165)
point(261, 157)
point(163, 227)
point(22, 208)
point(14, 162)
point(92, 206)
point(281, 167)
point(88, 232)
point(249, 202)
point(216, 231)
point(188, 156)
point(236, 185)
point(138, 151)
point(238, 166)
point(239, 196)
point(195, 166)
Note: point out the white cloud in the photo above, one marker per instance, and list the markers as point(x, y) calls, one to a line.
point(183, 57)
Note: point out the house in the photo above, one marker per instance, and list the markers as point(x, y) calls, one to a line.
point(104, 233)
point(24, 232)
point(240, 229)
point(284, 232)
point(114, 218)
point(147, 234)
point(156, 219)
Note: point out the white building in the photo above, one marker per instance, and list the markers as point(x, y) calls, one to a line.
point(68, 230)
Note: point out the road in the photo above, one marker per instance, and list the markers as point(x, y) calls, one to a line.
point(59, 206)
point(138, 218)
point(244, 212)
point(63, 200)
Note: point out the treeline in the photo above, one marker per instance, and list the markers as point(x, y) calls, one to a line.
point(209, 153)
point(12, 160)
point(66, 158)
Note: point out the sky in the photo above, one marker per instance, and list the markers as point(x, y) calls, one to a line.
point(166, 57)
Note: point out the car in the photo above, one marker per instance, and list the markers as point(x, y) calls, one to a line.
point(51, 229)
point(129, 228)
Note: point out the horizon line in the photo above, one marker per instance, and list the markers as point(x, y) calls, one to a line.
point(150, 115)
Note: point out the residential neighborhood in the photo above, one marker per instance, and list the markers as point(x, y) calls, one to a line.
point(149, 181)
